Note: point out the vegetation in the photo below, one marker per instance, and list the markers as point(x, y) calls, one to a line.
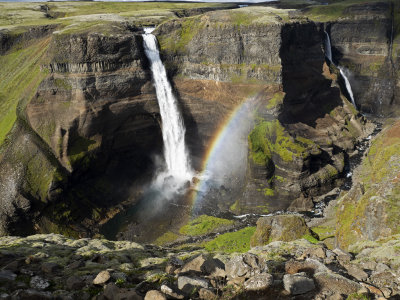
point(230, 242)
point(270, 137)
point(167, 237)
point(20, 76)
point(203, 225)
point(276, 100)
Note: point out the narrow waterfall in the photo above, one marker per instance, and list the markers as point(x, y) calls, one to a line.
point(173, 129)
point(343, 71)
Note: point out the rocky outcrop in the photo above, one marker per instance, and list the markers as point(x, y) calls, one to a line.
point(369, 211)
point(366, 41)
point(102, 269)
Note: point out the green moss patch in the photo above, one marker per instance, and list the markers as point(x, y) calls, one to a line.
point(20, 77)
point(268, 138)
point(167, 237)
point(231, 242)
point(276, 100)
point(203, 225)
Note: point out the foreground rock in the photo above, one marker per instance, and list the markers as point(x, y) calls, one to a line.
point(102, 269)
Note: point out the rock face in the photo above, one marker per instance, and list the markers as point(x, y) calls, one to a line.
point(367, 45)
point(289, 57)
point(279, 228)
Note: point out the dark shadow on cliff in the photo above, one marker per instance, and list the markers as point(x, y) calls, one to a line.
point(309, 94)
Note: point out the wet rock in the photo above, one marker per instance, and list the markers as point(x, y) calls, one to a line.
point(279, 228)
point(206, 294)
point(39, 283)
point(297, 284)
point(75, 283)
point(50, 268)
point(245, 265)
point(76, 264)
point(184, 281)
point(111, 291)
point(154, 295)
point(170, 292)
point(102, 278)
point(259, 282)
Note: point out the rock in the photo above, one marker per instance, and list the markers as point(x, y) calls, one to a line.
point(76, 264)
point(259, 282)
point(203, 264)
point(309, 266)
point(39, 283)
point(336, 283)
point(206, 294)
point(356, 272)
point(30, 294)
point(245, 265)
point(111, 291)
point(238, 281)
point(50, 268)
point(170, 292)
point(75, 283)
point(297, 284)
point(102, 278)
point(154, 295)
point(6, 275)
point(184, 281)
point(279, 228)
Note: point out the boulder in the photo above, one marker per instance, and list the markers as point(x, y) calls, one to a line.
point(50, 268)
point(75, 283)
point(309, 266)
point(184, 281)
point(259, 282)
point(203, 264)
point(39, 283)
point(154, 295)
point(245, 265)
point(297, 284)
point(206, 294)
point(102, 278)
point(336, 283)
point(170, 292)
point(279, 228)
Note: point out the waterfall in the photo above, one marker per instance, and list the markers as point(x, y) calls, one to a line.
point(173, 129)
point(328, 47)
point(343, 71)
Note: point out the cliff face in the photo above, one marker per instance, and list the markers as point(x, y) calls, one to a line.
point(368, 45)
point(90, 131)
point(308, 149)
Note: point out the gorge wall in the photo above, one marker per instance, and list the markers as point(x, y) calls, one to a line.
point(85, 141)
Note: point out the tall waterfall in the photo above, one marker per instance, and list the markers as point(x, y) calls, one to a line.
point(173, 129)
point(343, 71)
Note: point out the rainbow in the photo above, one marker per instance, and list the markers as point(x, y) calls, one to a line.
point(215, 156)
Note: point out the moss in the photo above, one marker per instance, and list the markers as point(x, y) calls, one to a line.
point(323, 232)
point(203, 225)
point(356, 296)
point(235, 206)
point(276, 100)
point(79, 151)
point(268, 192)
point(271, 137)
point(62, 83)
point(231, 242)
point(167, 237)
point(310, 238)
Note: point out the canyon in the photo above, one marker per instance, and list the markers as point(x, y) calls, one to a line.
point(270, 125)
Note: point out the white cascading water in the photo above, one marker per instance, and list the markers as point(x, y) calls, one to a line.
point(343, 71)
point(173, 129)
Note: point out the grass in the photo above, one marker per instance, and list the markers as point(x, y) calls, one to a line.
point(16, 15)
point(203, 225)
point(20, 76)
point(276, 100)
point(167, 237)
point(231, 242)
